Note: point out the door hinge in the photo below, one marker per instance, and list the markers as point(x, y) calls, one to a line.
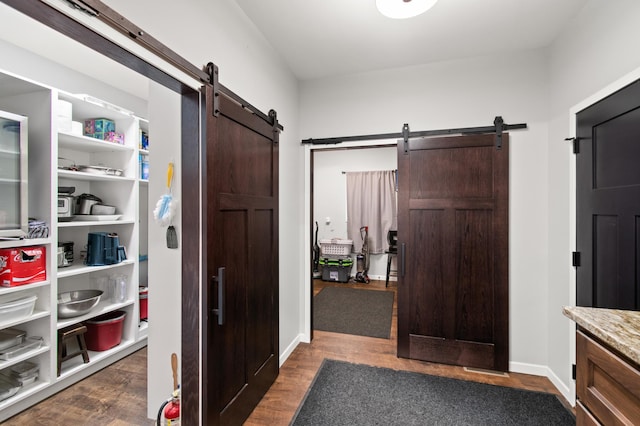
point(573, 371)
point(575, 258)
point(576, 144)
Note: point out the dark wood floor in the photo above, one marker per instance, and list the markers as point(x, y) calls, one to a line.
point(280, 403)
point(116, 396)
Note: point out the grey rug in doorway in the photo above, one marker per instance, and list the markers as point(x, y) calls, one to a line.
point(351, 394)
point(353, 311)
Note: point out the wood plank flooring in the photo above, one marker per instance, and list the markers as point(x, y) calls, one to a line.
point(116, 396)
point(280, 403)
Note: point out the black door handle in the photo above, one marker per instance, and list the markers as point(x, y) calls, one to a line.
point(219, 311)
point(403, 252)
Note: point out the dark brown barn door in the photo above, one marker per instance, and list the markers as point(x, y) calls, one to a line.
point(241, 340)
point(453, 238)
point(608, 202)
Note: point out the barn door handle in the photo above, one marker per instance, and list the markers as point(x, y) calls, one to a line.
point(403, 250)
point(219, 311)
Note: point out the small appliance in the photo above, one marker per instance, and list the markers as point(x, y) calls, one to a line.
point(66, 203)
point(84, 203)
point(65, 254)
point(104, 249)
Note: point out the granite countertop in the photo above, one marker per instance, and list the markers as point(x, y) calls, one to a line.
point(617, 328)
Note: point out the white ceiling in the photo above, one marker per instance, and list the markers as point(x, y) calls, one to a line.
point(333, 37)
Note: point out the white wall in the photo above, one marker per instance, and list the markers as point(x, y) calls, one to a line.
point(465, 93)
point(329, 193)
point(165, 265)
point(597, 48)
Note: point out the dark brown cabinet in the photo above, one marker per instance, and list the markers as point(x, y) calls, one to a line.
point(608, 385)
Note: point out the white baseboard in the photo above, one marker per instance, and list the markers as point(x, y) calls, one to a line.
point(562, 387)
point(382, 278)
point(292, 346)
point(543, 370)
point(524, 368)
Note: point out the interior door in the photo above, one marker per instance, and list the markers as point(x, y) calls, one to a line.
point(453, 198)
point(608, 202)
point(241, 347)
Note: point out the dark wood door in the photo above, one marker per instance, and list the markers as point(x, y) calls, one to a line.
point(608, 201)
point(453, 204)
point(241, 346)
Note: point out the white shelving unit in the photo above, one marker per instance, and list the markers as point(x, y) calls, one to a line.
point(46, 145)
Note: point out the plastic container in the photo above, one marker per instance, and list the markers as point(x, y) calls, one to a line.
point(8, 387)
point(30, 344)
point(25, 372)
point(335, 247)
point(11, 337)
point(23, 369)
point(17, 309)
point(144, 303)
point(105, 331)
point(336, 269)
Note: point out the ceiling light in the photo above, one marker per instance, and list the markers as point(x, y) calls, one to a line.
point(401, 9)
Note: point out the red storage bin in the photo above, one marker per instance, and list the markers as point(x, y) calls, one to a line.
point(105, 331)
point(144, 302)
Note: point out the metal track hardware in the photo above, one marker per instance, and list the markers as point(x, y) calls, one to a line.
point(498, 128)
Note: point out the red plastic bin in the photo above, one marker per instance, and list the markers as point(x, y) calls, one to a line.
point(105, 331)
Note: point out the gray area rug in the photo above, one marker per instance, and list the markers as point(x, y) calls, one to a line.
point(351, 394)
point(353, 311)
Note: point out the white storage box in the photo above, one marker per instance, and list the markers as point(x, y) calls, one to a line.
point(335, 247)
point(17, 309)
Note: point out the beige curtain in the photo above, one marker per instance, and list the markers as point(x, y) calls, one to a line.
point(371, 201)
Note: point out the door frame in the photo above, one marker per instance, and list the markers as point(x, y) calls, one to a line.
point(573, 112)
point(309, 151)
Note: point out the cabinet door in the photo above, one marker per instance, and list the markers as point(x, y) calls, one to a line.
point(606, 384)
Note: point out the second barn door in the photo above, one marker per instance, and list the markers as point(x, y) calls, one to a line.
point(241, 336)
point(453, 203)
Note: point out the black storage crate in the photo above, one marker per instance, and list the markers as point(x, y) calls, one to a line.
point(336, 269)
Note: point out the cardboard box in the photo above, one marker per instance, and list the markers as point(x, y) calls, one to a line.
point(22, 265)
point(114, 137)
point(98, 127)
